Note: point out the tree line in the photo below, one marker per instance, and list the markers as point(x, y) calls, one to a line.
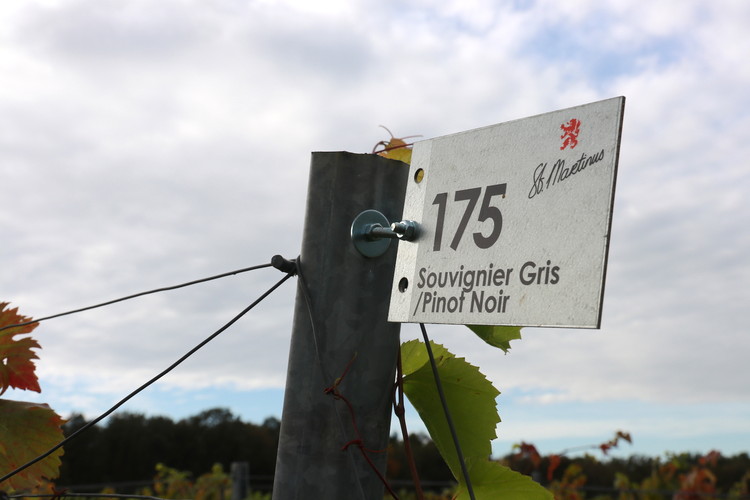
point(127, 449)
point(124, 453)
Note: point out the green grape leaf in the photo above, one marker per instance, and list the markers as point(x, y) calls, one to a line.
point(470, 397)
point(471, 400)
point(26, 431)
point(491, 480)
point(497, 336)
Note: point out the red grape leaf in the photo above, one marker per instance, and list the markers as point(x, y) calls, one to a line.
point(16, 357)
point(554, 463)
point(26, 431)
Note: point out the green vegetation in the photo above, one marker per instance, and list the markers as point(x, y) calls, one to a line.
point(472, 399)
point(189, 459)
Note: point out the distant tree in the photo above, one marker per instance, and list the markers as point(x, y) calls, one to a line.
point(128, 448)
point(427, 459)
point(80, 463)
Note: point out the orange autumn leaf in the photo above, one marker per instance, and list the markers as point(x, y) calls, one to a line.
point(625, 436)
point(554, 463)
point(26, 431)
point(17, 369)
point(395, 148)
point(527, 450)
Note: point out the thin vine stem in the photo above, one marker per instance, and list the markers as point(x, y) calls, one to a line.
point(400, 411)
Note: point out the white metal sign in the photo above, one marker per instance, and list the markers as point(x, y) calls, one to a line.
point(514, 222)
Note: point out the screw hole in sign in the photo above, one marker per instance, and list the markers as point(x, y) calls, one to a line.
point(403, 285)
point(419, 175)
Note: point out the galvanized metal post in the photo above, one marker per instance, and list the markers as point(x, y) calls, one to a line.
point(240, 474)
point(345, 328)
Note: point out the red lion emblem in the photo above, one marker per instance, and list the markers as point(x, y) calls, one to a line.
point(570, 133)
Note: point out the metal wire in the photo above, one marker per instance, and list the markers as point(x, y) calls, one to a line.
point(87, 495)
point(144, 386)
point(141, 294)
point(444, 402)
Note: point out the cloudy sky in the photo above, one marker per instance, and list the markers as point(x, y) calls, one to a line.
point(143, 144)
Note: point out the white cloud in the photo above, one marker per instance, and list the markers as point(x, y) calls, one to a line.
point(142, 146)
